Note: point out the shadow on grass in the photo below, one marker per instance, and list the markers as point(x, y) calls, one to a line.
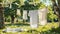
point(52, 31)
point(17, 24)
point(57, 30)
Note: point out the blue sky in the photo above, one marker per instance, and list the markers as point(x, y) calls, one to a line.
point(47, 2)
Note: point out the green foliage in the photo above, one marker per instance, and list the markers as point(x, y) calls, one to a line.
point(7, 19)
point(51, 14)
point(28, 6)
point(9, 12)
point(1, 0)
point(12, 11)
point(47, 29)
point(42, 5)
point(16, 4)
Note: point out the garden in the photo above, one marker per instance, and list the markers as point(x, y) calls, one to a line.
point(29, 17)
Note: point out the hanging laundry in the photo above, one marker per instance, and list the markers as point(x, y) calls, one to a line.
point(33, 18)
point(42, 16)
point(18, 12)
point(25, 15)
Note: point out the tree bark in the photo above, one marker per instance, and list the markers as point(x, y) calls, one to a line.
point(59, 20)
point(57, 8)
point(12, 19)
point(1, 17)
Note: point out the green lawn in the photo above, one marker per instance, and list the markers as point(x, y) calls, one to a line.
point(50, 28)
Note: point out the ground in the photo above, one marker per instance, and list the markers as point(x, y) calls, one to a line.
point(49, 28)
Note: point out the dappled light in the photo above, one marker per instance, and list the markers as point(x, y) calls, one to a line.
point(29, 16)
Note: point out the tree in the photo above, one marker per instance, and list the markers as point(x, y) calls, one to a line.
point(56, 7)
point(1, 16)
point(29, 5)
point(10, 12)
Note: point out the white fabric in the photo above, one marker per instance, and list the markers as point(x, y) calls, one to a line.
point(33, 18)
point(25, 15)
point(18, 12)
point(42, 16)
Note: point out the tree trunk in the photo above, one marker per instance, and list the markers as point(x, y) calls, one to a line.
point(57, 8)
point(1, 17)
point(59, 20)
point(59, 11)
point(12, 19)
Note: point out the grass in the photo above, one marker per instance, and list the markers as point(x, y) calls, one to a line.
point(50, 28)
